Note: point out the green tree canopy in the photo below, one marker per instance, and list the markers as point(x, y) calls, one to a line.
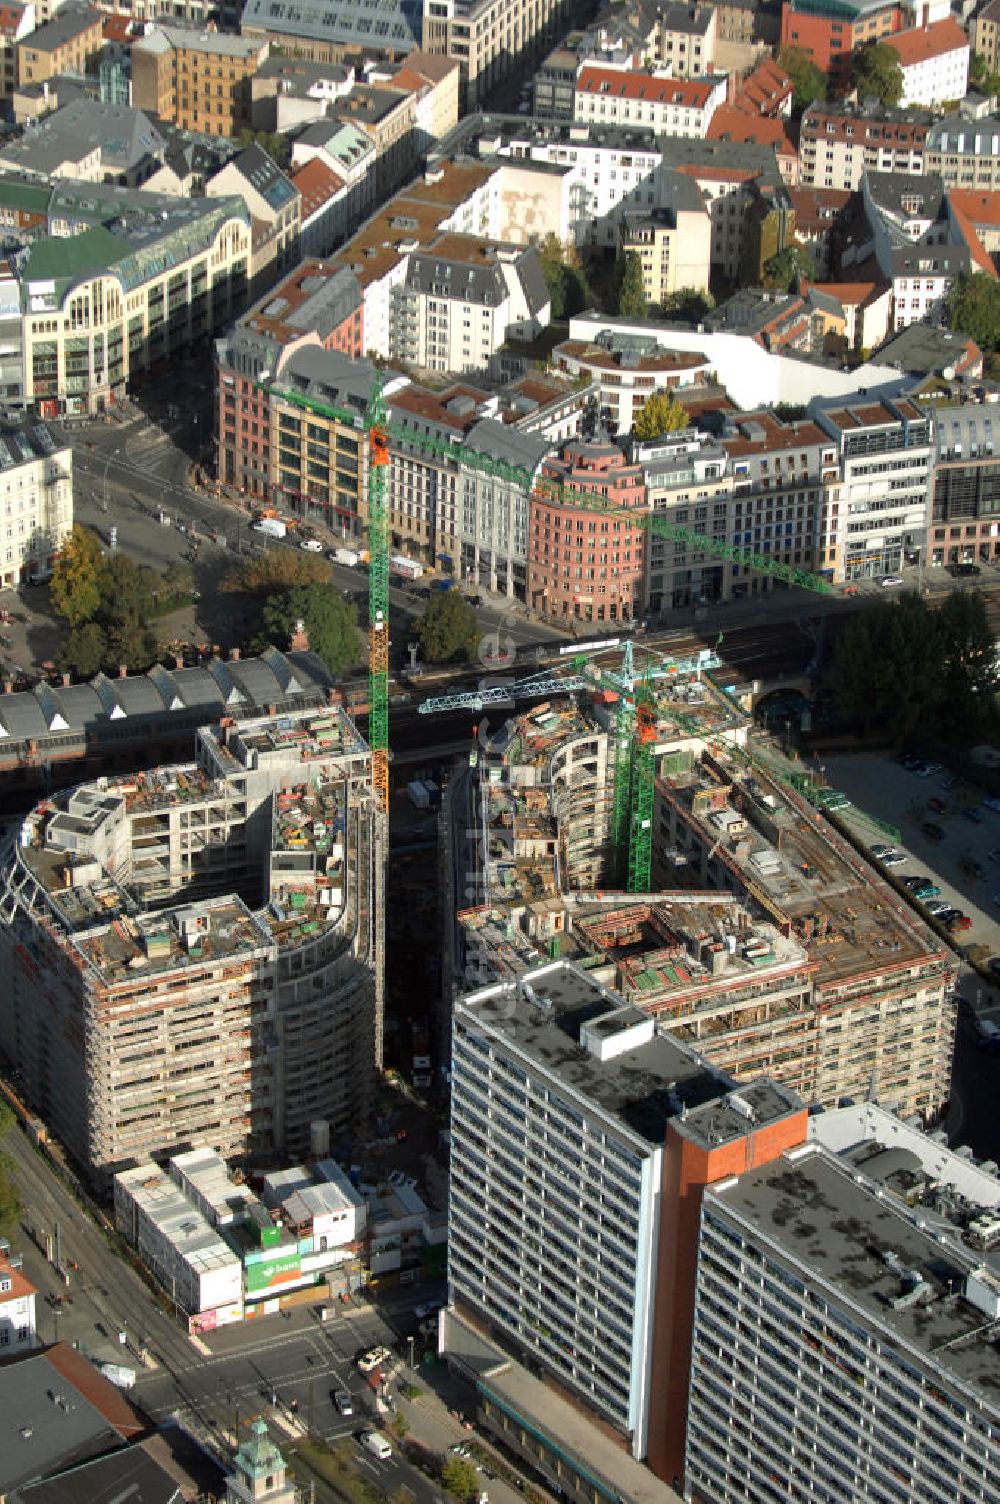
point(875, 73)
point(277, 569)
point(83, 651)
point(448, 631)
point(660, 413)
point(689, 303)
point(631, 292)
point(79, 577)
point(905, 669)
point(460, 1478)
point(331, 624)
point(565, 278)
point(808, 82)
point(783, 271)
point(973, 308)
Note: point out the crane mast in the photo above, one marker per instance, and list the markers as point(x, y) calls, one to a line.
point(378, 590)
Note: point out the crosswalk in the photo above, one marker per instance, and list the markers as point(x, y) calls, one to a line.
point(149, 448)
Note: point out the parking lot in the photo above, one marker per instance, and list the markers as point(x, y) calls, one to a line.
point(963, 861)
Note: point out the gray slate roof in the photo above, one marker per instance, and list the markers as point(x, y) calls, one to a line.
point(388, 25)
point(161, 701)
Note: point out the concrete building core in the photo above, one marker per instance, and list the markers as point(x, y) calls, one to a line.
point(194, 956)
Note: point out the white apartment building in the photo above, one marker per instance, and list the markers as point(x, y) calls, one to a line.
point(689, 483)
point(178, 1243)
point(885, 451)
point(556, 1160)
point(935, 63)
point(462, 298)
point(18, 1332)
point(494, 500)
point(919, 248)
point(609, 95)
point(36, 503)
point(844, 1331)
point(839, 143)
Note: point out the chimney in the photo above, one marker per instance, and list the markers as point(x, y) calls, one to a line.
point(65, 681)
point(300, 639)
point(122, 671)
point(234, 655)
point(178, 661)
point(8, 686)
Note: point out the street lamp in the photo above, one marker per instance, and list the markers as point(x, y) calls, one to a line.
point(410, 1341)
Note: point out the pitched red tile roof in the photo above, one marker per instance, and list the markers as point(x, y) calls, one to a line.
point(691, 93)
point(965, 223)
point(20, 1285)
point(317, 184)
point(851, 294)
point(732, 124)
point(118, 29)
point(925, 42)
point(764, 91)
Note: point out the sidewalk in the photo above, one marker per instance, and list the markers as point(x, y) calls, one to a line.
point(433, 1424)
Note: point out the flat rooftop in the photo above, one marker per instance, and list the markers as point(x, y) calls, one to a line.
point(594, 1453)
point(180, 1221)
point(824, 1216)
point(848, 919)
point(148, 945)
point(612, 1056)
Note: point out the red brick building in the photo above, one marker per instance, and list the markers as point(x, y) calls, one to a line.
point(586, 559)
point(830, 32)
point(316, 304)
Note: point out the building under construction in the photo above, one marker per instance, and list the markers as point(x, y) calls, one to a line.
point(194, 955)
point(768, 942)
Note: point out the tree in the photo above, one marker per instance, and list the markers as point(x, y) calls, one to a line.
point(808, 82)
point(565, 278)
point(448, 631)
point(460, 1477)
point(906, 669)
point(401, 1425)
point(83, 651)
point(631, 292)
point(783, 271)
point(78, 577)
point(973, 308)
point(875, 73)
point(278, 569)
point(129, 641)
point(330, 623)
point(689, 303)
point(10, 1199)
point(979, 74)
point(660, 413)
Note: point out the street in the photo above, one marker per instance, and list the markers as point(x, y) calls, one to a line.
point(282, 1368)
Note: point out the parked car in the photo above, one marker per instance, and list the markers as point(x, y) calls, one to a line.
point(949, 781)
point(894, 859)
point(973, 814)
point(992, 802)
point(880, 851)
point(913, 883)
point(460, 1449)
point(311, 545)
point(374, 1358)
point(892, 580)
point(937, 907)
point(961, 923)
point(964, 570)
point(927, 890)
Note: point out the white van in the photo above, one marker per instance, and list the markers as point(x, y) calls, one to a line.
point(377, 1444)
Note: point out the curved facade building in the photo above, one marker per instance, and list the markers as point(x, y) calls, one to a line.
point(194, 956)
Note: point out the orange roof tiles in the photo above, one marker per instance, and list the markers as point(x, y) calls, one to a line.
point(817, 208)
point(925, 42)
point(614, 83)
point(732, 124)
point(11, 17)
point(967, 227)
point(851, 294)
point(118, 29)
point(317, 184)
point(765, 90)
point(20, 1285)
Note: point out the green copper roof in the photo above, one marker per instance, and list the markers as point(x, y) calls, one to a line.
point(70, 257)
point(258, 1457)
point(33, 196)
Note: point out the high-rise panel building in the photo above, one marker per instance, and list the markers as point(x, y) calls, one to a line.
point(845, 1328)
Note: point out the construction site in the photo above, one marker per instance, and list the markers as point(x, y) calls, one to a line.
point(762, 937)
point(195, 954)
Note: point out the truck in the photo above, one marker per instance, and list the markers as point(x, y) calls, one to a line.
point(404, 568)
point(348, 556)
point(272, 527)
